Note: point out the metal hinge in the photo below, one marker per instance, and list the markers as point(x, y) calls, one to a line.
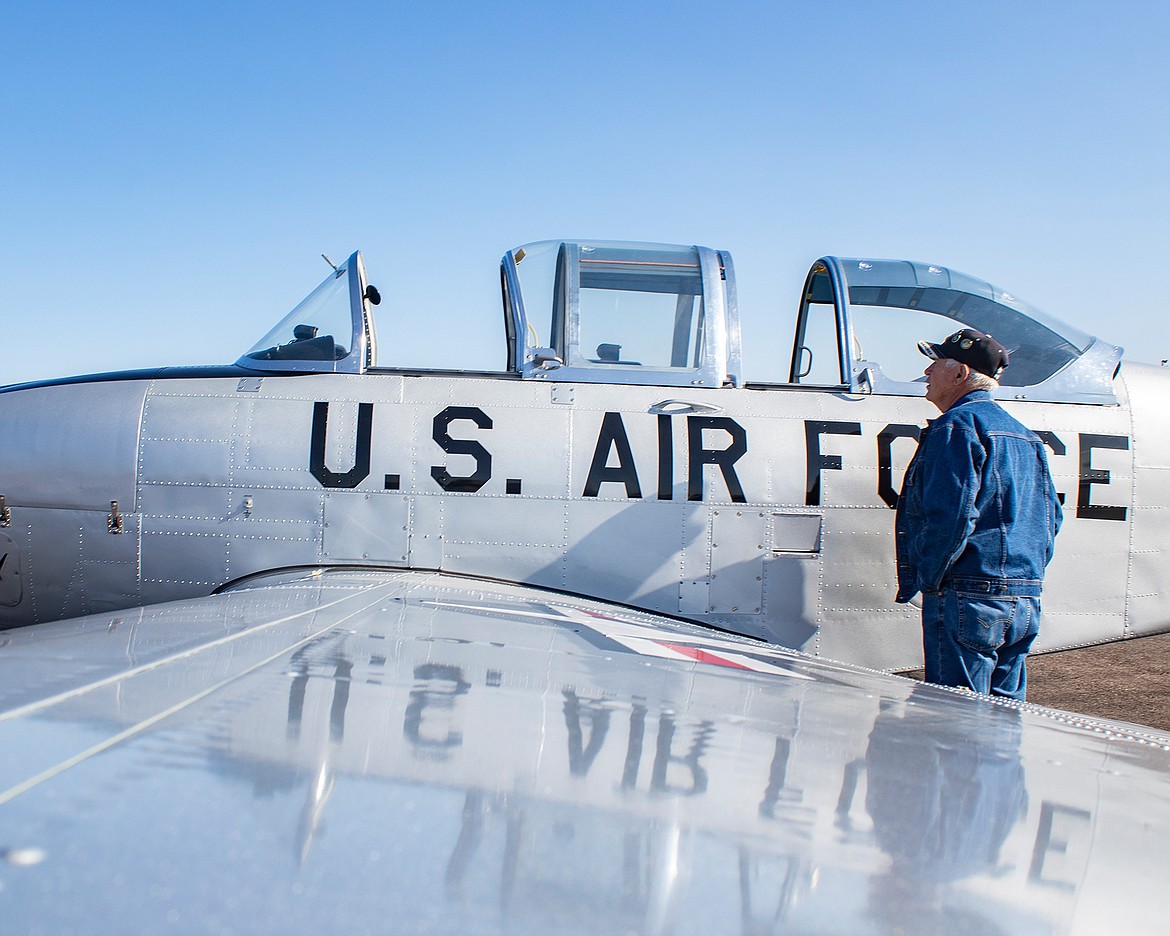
point(114, 519)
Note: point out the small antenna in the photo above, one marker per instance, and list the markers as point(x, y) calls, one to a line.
point(330, 262)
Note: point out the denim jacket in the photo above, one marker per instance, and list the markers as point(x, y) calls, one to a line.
point(978, 510)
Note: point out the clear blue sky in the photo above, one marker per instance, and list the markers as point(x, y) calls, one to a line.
point(170, 173)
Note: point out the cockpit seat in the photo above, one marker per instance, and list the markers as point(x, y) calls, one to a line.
point(306, 345)
point(610, 353)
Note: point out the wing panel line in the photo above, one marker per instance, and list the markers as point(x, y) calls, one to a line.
point(49, 702)
point(24, 786)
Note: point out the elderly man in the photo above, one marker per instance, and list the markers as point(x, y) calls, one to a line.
point(975, 524)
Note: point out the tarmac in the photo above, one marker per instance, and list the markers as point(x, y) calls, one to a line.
point(1125, 681)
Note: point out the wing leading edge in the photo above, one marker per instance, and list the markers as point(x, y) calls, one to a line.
point(354, 749)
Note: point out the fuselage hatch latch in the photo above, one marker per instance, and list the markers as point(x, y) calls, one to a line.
point(114, 518)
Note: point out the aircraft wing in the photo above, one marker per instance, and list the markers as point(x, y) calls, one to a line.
point(360, 751)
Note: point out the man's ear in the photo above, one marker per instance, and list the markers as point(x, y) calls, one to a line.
point(964, 372)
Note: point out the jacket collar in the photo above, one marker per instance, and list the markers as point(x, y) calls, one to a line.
point(975, 396)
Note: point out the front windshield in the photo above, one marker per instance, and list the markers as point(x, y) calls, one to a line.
point(318, 329)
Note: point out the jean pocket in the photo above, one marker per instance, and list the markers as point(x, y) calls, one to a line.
point(983, 624)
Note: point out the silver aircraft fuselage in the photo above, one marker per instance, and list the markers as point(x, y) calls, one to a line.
point(647, 470)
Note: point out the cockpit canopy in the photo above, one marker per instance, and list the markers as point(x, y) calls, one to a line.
point(666, 315)
point(618, 312)
point(860, 321)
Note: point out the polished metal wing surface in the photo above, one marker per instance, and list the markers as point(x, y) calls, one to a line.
point(360, 751)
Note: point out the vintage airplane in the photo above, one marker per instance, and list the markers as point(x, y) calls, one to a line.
point(626, 457)
point(303, 701)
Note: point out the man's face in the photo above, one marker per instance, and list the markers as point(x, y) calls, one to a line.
point(944, 379)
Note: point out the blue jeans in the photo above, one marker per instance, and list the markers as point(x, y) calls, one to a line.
point(977, 642)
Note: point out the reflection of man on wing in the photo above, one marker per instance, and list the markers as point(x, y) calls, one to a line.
point(953, 823)
point(758, 507)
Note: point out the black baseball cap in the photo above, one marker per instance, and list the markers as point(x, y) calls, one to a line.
point(968, 346)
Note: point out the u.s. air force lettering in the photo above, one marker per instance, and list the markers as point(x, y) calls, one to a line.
point(717, 441)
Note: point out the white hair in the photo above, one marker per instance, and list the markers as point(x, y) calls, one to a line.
point(978, 381)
